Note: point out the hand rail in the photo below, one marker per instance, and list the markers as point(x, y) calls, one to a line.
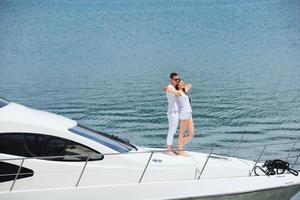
point(291, 150)
point(238, 146)
point(136, 152)
point(146, 167)
point(86, 162)
point(258, 160)
point(296, 160)
point(148, 162)
point(205, 163)
point(13, 184)
point(88, 155)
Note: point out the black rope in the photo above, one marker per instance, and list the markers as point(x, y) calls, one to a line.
point(273, 167)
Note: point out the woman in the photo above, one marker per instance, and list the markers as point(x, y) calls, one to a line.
point(185, 116)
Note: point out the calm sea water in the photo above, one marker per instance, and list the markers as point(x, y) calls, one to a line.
point(104, 63)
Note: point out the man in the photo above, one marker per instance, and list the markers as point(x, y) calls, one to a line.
point(173, 110)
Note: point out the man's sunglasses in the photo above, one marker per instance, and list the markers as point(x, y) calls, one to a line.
point(176, 79)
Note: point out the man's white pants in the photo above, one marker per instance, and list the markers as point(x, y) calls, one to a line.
point(173, 118)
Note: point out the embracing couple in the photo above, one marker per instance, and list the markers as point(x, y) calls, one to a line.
point(179, 109)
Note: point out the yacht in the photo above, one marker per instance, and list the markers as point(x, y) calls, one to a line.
point(44, 155)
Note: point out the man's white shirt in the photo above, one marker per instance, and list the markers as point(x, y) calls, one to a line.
point(172, 100)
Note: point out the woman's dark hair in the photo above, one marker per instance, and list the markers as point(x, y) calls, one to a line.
point(172, 75)
point(177, 86)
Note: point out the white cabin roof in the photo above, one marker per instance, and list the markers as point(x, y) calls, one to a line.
point(16, 113)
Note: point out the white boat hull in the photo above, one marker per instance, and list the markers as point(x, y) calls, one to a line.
point(240, 188)
point(285, 193)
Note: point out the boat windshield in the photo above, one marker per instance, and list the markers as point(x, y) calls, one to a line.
point(3, 102)
point(110, 141)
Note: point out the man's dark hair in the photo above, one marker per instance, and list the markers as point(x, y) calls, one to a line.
point(172, 75)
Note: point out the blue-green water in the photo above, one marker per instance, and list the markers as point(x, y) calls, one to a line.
point(104, 63)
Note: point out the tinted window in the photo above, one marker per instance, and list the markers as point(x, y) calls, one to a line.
point(55, 146)
point(32, 145)
point(8, 172)
point(13, 144)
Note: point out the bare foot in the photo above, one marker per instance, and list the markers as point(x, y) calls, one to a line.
point(170, 153)
point(183, 153)
point(176, 152)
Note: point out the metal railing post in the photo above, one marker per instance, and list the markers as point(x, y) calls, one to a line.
point(196, 173)
point(237, 146)
point(205, 163)
point(296, 161)
point(258, 159)
point(287, 157)
point(16, 177)
point(196, 167)
point(82, 171)
point(146, 167)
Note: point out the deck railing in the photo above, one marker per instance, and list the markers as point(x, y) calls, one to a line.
point(198, 173)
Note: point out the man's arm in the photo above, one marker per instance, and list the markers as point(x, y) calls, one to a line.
point(172, 91)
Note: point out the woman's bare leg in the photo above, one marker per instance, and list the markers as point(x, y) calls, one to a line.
point(191, 132)
point(183, 127)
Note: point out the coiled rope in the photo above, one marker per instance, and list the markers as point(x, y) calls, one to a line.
point(273, 167)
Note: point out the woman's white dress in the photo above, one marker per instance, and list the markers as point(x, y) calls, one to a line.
point(185, 111)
